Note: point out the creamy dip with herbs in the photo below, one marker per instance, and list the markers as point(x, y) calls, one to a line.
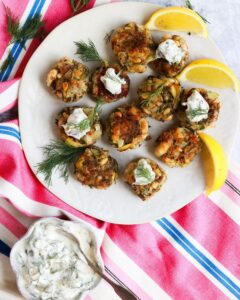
point(197, 107)
point(112, 81)
point(49, 263)
point(72, 129)
point(170, 51)
point(143, 173)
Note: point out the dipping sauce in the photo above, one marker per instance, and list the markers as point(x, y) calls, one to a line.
point(49, 264)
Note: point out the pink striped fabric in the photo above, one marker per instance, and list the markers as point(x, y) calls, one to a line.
point(192, 254)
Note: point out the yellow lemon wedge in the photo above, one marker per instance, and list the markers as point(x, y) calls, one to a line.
point(210, 72)
point(214, 162)
point(176, 18)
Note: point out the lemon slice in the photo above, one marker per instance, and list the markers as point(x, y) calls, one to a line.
point(214, 162)
point(179, 19)
point(210, 72)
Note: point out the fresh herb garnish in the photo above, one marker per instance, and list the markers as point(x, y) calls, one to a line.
point(108, 36)
point(142, 171)
point(7, 62)
point(77, 5)
point(32, 28)
point(87, 52)
point(87, 123)
point(153, 94)
point(58, 156)
point(197, 112)
point(190, 6)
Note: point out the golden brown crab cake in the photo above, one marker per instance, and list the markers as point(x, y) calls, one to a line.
point(159, 97)
point(109, 83)
point(133, 46)
point(77, 131)
point(68, 80)
point(198, 108)
point(178, 147)
point(171, 56)
point(126, 127)
point(96, 168)
point(145, 177)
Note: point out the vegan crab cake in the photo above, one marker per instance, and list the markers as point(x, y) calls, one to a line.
point(159, 97)
point(110, 83)
point(79, 127)
point(199, 109)
point(96, 168)
point(68, 80)
point(145, 177)
point(127, 127)
point(171, 56)
point(133, 46)
point(178, 147)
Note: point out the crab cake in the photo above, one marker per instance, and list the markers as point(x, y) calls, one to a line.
point(199, 109)
point(68, 80)
point(159, 97)
point(126, 127)
point(79, 126)
point(110, 83)
point(145, 177)
point(171, 56)
point(177, 147)
point(96, 168)
point(133, 46)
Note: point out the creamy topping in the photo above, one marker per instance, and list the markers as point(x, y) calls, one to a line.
point(197, 107)
point(49, 262)
point(170, 51)
point(143, 173)
point(74, 126)
point(112, 81)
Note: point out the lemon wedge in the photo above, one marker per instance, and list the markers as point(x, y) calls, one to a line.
point(176, 18)
point(210, 72)
point(214, 162)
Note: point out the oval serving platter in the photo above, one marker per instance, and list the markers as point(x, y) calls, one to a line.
point(38, 109)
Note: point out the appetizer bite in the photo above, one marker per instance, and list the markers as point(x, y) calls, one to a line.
point(171, 56)
point(127, 127)
point(96, 168)
point(109, 83)
point(145, 177)
point(159, 97)
point(68, 80)
point(79, 126)
point(178, 147)
point(199, 109)
point(133, 46)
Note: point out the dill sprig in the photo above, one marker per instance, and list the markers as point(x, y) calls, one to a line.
point(77, 5)
point(32, 28)
point(108, 36)
point(152, 95)
point(197, 112)
point(87, 51)
point(190, 6)
point(87, 123)
point(58, 156)
point(7, 62)
point(141, 171)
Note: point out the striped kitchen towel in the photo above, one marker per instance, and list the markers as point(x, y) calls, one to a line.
point(191, 254)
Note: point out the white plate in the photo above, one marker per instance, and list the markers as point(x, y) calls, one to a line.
point(38, 109)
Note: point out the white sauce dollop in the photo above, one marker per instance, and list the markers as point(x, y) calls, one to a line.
point(112, 81)
point(143, 173)
point(71, 128)
point(49, 263)
point(197, 107)
point(170, 51)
